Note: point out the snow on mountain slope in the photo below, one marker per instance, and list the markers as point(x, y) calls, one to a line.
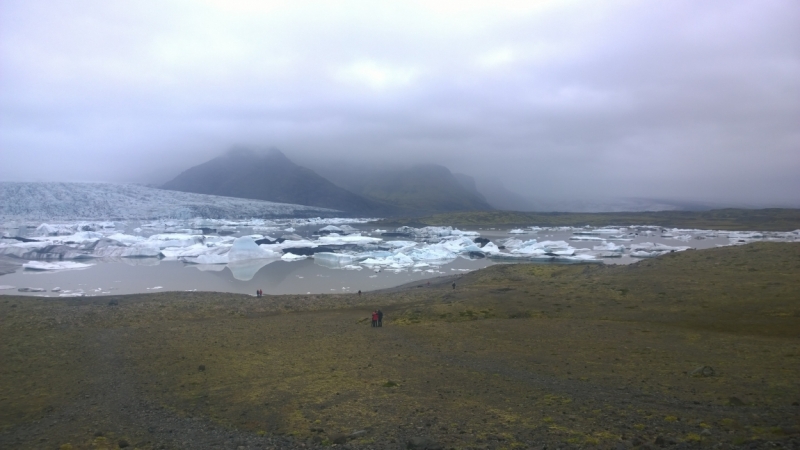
point(73, 201)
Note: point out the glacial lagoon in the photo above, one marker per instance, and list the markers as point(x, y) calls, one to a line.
point(301, 256)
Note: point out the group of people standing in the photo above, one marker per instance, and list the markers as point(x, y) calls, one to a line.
point(259, 293)
point(377, 318)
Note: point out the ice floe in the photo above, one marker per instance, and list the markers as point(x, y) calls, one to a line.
point(56, 265)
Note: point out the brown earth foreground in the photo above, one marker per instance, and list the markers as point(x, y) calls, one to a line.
point(517, 356)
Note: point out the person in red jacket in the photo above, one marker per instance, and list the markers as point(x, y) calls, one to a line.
point(374, 318)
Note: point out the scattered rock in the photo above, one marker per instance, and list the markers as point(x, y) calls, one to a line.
point(338, 438)
point(356, 434)
point(705, 432)
point(113, 303)
point(201, 368)
point(123, 443)
point(703, 371)
point(735, 401)
point(422, 443)
point(26, 289)
point(317, 439)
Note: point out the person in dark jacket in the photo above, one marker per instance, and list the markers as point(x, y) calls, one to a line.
point(380, 318)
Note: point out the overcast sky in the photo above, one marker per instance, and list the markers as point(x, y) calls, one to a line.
point(560, 99)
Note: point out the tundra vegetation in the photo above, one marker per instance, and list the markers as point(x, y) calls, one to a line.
point(692, 348)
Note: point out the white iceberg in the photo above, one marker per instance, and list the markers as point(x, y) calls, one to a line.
point(245, 248)
point(56, 265)
point(292, 257)
point(353, 239)
point(609, 247)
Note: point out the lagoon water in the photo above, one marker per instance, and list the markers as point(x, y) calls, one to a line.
point(276, 276)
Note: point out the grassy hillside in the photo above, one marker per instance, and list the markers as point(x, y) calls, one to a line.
point(774, 219)
point(515, 356)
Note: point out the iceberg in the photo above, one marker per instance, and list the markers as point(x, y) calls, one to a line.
point(609, 247)
point(126, 239)
point(58, 265)
point(292, 257)
point(517, 231)
point(245, 248)
point(174, 240)
point(335, 258)
point(651, 250)
point(353, 239)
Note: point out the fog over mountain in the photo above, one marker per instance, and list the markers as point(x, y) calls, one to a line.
point(545, 104)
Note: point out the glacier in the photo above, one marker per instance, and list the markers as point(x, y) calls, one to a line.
point(26, 201)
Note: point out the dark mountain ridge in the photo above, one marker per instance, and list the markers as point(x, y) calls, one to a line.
point(268, 175)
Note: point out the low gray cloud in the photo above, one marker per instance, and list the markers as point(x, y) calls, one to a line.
point(560, 100)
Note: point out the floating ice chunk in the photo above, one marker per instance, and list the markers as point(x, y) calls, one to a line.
point(174, 240)
point(4, 287)
point(435, 252)
point(245, 248)
point(155, 288)
point(352, 267)
point(490, 248)
point(56, 265)
point(581, 237)
point(72, 294)
point(174, 253)
point(609, 247)
point(554, 248)
point(289, 230)
point(331, 229)
point(651, 250)
point(292, 257)
point(355, 239)
point(597, 231)
point(53, 230)
point(126, 239)
point(338, 258)
point(400, 244)
point(398, 261)
point(644, 254)
point(517, 231)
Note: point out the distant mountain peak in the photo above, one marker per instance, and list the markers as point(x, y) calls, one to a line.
point(267, 175)
point(245, 152)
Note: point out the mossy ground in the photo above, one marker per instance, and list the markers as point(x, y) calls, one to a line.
point(515, 355)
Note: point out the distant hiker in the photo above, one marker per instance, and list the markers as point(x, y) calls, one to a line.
point(380, 318)
point(258, 292)
point(359, 292)
point(429, 283)
point(454, 285)
point(374, 319)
